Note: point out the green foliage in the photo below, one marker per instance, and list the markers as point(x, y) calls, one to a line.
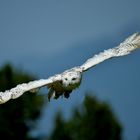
point(16, 115)
point(94, 121)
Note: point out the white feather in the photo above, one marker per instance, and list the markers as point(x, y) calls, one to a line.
point(22, 88)
point(129, 45)
point(64, 83)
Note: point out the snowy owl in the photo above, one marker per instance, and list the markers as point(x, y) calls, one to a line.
point(63, 84)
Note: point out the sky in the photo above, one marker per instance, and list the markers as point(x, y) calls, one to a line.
point(45, 37)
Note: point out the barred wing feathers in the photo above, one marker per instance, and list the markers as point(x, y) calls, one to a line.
point(72, 76)
point(22, 88)
point(129, 45)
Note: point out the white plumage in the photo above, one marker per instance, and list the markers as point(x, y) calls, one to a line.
point(64, 83)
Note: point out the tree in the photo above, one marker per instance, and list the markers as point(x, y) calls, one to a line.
point(17, 115)
point(94, 121)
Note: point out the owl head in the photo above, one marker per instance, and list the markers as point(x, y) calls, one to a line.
point(71, 79)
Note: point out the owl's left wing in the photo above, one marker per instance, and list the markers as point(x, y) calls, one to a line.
point(129, 45)
point(22, 88)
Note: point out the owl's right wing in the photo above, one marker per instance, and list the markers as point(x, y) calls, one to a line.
point(31, 86)
point(130, 44)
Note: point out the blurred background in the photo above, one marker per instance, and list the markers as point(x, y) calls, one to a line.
point(41, 38)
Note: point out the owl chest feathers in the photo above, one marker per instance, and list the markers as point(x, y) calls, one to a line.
point(70, 80)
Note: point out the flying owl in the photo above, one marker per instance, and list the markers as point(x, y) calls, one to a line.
point(63, 84)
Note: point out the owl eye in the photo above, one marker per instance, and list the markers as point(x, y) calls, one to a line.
point(73, 79)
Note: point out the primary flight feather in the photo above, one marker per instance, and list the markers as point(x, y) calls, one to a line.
point(63, 84)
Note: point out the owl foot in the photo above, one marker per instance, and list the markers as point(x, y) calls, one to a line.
point(67, 94)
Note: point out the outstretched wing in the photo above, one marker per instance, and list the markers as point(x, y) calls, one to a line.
point(22, 88)
point(130, 44)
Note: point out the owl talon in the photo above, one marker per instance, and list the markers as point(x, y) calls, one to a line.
point(56, 96)
point(51, 94)
point(67, 94)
